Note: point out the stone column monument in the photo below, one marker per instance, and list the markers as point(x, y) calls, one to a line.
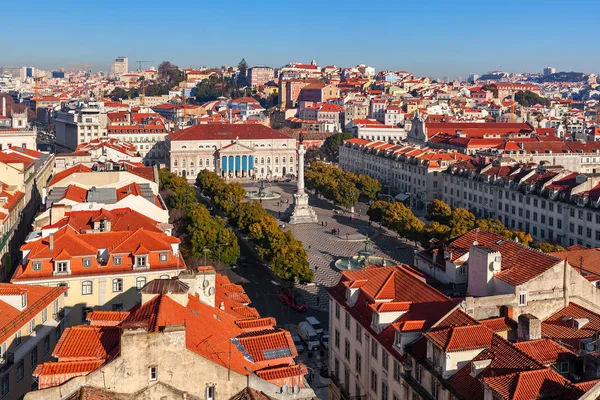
point(300, 212)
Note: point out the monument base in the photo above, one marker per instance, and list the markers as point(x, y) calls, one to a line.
point(300, 212)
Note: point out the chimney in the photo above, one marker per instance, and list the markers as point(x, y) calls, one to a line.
point(57, 212)
point(530, 328)
point(51, 239)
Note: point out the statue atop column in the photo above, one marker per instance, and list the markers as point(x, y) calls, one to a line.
point(300, 212)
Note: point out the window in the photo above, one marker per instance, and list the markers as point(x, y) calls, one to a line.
point(523, 299)
point(384, 390)
point(152, 373)
point(358, 332)
point(46, 344)
point(37, 265)
point(384, 359)
point(435, 389)
point(44, 315)
point(358, 360)
point(140, 281)
point(374, 348)
point(210, 393)
point(32, 326)
point(564, 367)
point(396, 371)
point(418, 373)
point(117, 260)
point(117, 307)
point(86, 288)
point(462, 270)
point(164, 257)
point(62, 267)
point(5, 384)
point(117, 285)
point(346, 349)
point(55, 306)
point(336, 368)
point(347, 321)
point(20, 370)
point(87, 262)
point(34, 358)
point(17, 338)
point(24, 300)
point(165, 277)
point(337, 338)
point(373, 381)
point(140, 261)
point(337, 310)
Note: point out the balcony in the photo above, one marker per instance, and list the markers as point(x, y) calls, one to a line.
point(7, 361)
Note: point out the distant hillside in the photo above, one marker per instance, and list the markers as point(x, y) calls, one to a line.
point(562, 77)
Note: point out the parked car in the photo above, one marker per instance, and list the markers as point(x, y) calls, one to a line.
point(298, 343)
point(293, 300)
point(308, 335)
point(325, 340)
point(315, 324)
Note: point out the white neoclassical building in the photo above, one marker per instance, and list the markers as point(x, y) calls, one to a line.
point(233, 150)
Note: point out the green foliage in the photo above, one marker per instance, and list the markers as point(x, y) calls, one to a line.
point(529, 99)
point(377, 209)
point(205, 231)
point(331, 147)
point(284, 254)
point(461, 221)
point(491, 88)
point(547, 247)
point(439, 211)
point(215, 86)
point(401, 219)
point(343, 188)
point(243, 68)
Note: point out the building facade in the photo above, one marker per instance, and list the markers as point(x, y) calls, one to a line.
point(232, 150)
point(259, 75)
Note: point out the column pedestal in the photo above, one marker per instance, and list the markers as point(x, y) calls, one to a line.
point(300, 212)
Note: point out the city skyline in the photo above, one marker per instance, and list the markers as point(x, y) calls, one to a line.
point(437, 39)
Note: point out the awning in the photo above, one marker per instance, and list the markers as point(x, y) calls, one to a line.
point(401, 197)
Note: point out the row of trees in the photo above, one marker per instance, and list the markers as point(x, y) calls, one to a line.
point(445, 223)
point(341, 187)
point(216, 86)
point(528, 99)
point(202, 234)
point(284, 254)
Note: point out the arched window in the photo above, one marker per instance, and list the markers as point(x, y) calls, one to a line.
point(200, 162)
point(268, 160)
point(191, 163)
point(207, 162)
point(175, 163)
point(276, 160)
point(283, 159)
point(140, 281)
point(183, 163)
point(262, 160)
point(276, 170)
point(117, 285)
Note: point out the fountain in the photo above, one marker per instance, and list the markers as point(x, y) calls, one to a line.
point(262, 193)
point(363, 258)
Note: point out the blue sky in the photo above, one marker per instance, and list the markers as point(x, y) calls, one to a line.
point(433, 38)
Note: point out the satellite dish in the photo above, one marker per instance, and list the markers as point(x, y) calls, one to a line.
point(205, 284)
point(590, 347)
point(285, 389)
point(211, 291)
point(296, 388)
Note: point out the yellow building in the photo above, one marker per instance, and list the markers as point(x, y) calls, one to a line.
point(30, 326)
point(101, 271)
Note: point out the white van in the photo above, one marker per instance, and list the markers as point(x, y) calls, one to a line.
point(308, 335)
point(315, 324)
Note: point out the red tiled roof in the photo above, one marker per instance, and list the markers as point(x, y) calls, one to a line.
point(84, 342)
point(528, 385)
point(227, 132)
point(546, 351)
point(461, 338)
point(560, 328)
point(67, 172)
point(500, 324)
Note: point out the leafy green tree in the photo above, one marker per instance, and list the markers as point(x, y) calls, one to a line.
point(229, 196)
point(436, 231)
point(346, 194)
point(461, 221)
point(369, 187)
point(247, 214)
point(522, 237)
point(377, 209)
point(439, 211)
point(401, 219)
point(547, 247)
point(331, 146)
point(209, 182)
point(528, 99)
point(243, 68)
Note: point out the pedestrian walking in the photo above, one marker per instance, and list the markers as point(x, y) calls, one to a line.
point(309, 246)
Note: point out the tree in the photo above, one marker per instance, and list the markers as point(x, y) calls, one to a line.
point(436, 231)
point(165, 68)
point(229, 196)
point(209, 182)
point(401, 219)
point(439, 211)
point(247, 214)
point(494, 226)
point(331, 147)
point(377, 210)
point(345, 194)
point(243, 68)
point(369, 187)
point(528, 99)
point(547, 247)
point(522, 237)
point(461, 221)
